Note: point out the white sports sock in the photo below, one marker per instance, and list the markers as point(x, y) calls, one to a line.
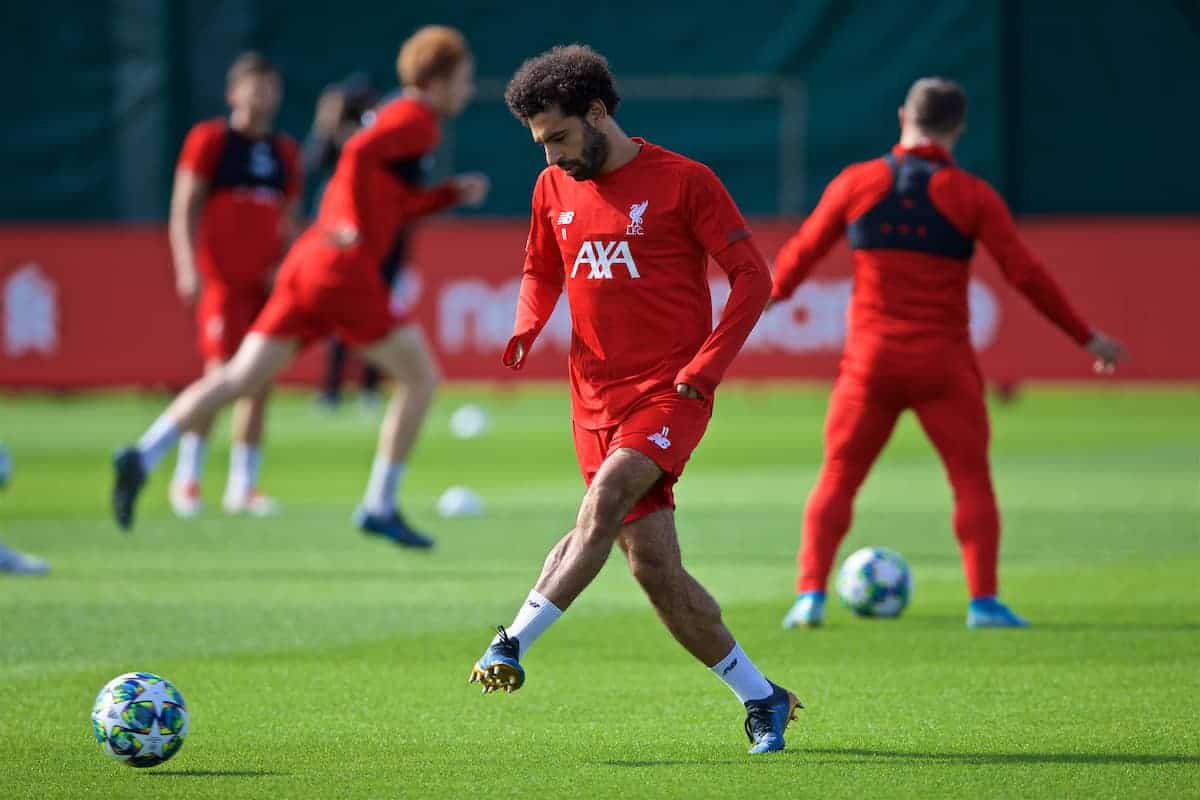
point(157, 440)
point(739, 674)
point(382, 486)
point(243, 468)
point(536, 615)
point(189, 461)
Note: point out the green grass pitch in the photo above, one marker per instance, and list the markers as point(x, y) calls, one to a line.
point(318, 663)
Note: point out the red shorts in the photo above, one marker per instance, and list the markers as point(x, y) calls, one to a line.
point(664, 427)
point(224, 316)
point(323, 290)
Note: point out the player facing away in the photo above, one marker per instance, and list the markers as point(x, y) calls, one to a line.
point(329, 283)
point(234, 207)
point(626, 227)
point(912, 219)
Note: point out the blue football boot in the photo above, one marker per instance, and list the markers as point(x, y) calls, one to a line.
point(499, 667)
point(129, 476)
point(391, 526)
point(988, 612)
point(767, 719)
point(807, 612)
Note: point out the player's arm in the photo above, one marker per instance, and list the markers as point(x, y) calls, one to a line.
point(801, 253)
point(541, 284)
point(1020, 267)
point(388, 140)
point(193, 174)
point(719, 227)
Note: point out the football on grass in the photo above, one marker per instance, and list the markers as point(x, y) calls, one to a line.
point(875, 582)
point(140, 719)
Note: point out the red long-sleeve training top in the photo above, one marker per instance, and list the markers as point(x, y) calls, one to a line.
point(910, 301)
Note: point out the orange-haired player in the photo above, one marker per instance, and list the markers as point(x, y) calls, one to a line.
point(233, 209)
point(912, 218)
point(330, 282)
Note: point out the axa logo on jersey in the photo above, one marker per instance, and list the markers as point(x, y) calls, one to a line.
point(600, 257)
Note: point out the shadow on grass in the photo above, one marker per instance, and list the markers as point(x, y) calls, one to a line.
point(858, 754)
point(217, 773)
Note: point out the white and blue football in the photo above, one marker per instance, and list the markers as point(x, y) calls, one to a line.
point(875, 582)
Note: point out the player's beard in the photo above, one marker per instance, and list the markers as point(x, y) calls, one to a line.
point(595, 153)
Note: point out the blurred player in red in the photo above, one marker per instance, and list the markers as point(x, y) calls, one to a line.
point(234, 207)
point(627, 227)
point(329, 283)
point(912, 219)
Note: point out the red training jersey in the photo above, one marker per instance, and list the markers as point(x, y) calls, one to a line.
point(250, 182)
point(369, 190)
point(911, 302)
point(631, 246)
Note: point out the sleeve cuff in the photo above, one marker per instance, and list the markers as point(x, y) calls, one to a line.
point(510, 351)
point(698, 382)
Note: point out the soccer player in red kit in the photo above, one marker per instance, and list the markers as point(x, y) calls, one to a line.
point(329, 282)
point(234, 206)
point(912, 219)
point(627, 227)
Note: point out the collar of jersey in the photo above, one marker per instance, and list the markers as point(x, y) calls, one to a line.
point(644, 148)
point(929, 150)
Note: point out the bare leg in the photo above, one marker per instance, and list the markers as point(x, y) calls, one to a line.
point(651, 546)
point(255, 364)
point(576, 560)
point(204, 424)
point(248, 418)
point(573, 563)
point(257, 361)
point(404, 356)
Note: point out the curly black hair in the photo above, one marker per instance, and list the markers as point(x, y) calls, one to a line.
point(567, 76)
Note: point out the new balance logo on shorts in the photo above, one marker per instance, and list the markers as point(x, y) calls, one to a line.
point(660, 438)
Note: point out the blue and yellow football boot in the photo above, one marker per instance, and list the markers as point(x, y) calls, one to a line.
point(499, 667)
point(767, 719)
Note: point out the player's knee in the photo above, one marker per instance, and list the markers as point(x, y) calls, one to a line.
point(238, 383)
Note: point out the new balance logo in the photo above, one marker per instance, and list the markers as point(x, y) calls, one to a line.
point(729, 669)
point(565, 218)
point(601, 257)
point(663, 443)
point(533, 603)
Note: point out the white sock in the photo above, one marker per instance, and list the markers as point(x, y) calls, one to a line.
point(189, 461)
point(536, 615)
point(157, 440)
point(739, 674)
point(243, 468)
point(382, 486)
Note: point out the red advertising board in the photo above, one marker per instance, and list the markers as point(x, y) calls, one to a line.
point(94, 306)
